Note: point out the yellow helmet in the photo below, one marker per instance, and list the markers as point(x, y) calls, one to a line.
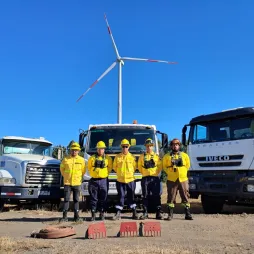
point(75, 146)
point(149, 142)
point(101, 145)
point(125, 142)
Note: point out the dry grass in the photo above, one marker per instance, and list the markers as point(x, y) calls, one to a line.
point(175, 249)
point(11, 245)
point(116, 249)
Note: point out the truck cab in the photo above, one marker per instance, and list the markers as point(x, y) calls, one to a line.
point(28, 172)
point(221, 150)
point(112, 134)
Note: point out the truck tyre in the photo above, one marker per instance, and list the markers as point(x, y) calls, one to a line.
point(86, 204)
point(1, 206)
point(212, 205)
point(55, 204)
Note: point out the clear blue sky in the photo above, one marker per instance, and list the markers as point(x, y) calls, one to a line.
point(52, 51)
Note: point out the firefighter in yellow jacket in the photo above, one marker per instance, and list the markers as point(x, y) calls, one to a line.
point(99, 166)
point(150, 166)
point(72, 169)
point(176, 165)
point(125, 165)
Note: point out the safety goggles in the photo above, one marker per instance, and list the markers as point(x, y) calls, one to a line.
point(125, 146)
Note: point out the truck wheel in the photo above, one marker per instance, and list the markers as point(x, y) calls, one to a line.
point(1, 206)
point(55, 204)
point(86, 204)
point(212, 205)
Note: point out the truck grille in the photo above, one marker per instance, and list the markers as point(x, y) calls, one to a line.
point(42, 174)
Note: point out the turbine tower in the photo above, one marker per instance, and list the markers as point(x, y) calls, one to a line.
point(120, 61)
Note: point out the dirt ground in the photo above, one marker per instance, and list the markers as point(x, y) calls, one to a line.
point(229, 232)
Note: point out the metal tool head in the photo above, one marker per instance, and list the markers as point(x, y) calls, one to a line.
point(151, 228)
point(128, 229)
point(96, 231)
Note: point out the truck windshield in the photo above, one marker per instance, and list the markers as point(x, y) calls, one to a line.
point(113, 136)
point(224, 130)
point(20, 147)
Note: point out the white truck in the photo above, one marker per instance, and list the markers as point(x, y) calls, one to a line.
point(112, 134)
point(221, 149)
point(28, 172)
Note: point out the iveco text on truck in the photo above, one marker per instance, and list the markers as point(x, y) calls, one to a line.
point(112, 134)
point(28, 172)
point(221, 149)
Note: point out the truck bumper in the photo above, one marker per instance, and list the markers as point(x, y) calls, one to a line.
point(239, 188)
point(19, 193)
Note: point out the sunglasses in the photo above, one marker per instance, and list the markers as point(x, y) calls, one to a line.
point(124, 146)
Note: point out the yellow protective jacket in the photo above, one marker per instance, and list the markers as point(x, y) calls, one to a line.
point(72, 170)
point(155, 171)
point(125, 167)
point(181, 172)
point(99, 172)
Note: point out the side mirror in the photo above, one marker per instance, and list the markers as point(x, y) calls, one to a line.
point(184, 141)
point(59, 153)
point(82, 136)
point(164, 140)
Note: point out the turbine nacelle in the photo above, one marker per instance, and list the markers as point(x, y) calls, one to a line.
point(120, 61)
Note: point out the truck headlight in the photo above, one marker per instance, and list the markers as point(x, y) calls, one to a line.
point(250, 187)
point(5, 180)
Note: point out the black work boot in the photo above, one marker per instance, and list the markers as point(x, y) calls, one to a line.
point(93, 215)
point(188, 214)
point(117, 216)
point(158, 213)
point(145, 214)
point(170, 213)
point(102, 216)
point(134, 214)
point(76, 216)
point(64, 219)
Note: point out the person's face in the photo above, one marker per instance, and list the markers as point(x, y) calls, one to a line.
point(125, 149)
point(74, 152)
point(175, 147)
point(149, 148)
point(100, 151)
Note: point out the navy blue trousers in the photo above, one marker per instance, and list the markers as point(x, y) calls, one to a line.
point(98, 191)
point(151, 191)
point(122, 188)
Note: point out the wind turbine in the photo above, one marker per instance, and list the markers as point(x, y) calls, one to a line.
point(120, 61)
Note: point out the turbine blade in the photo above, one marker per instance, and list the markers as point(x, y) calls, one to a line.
point(112, 38)
point(147, 60)
point(96, 81)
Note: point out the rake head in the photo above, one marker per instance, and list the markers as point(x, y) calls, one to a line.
point(151, 228)
point(96, 231)
point(128, 229)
